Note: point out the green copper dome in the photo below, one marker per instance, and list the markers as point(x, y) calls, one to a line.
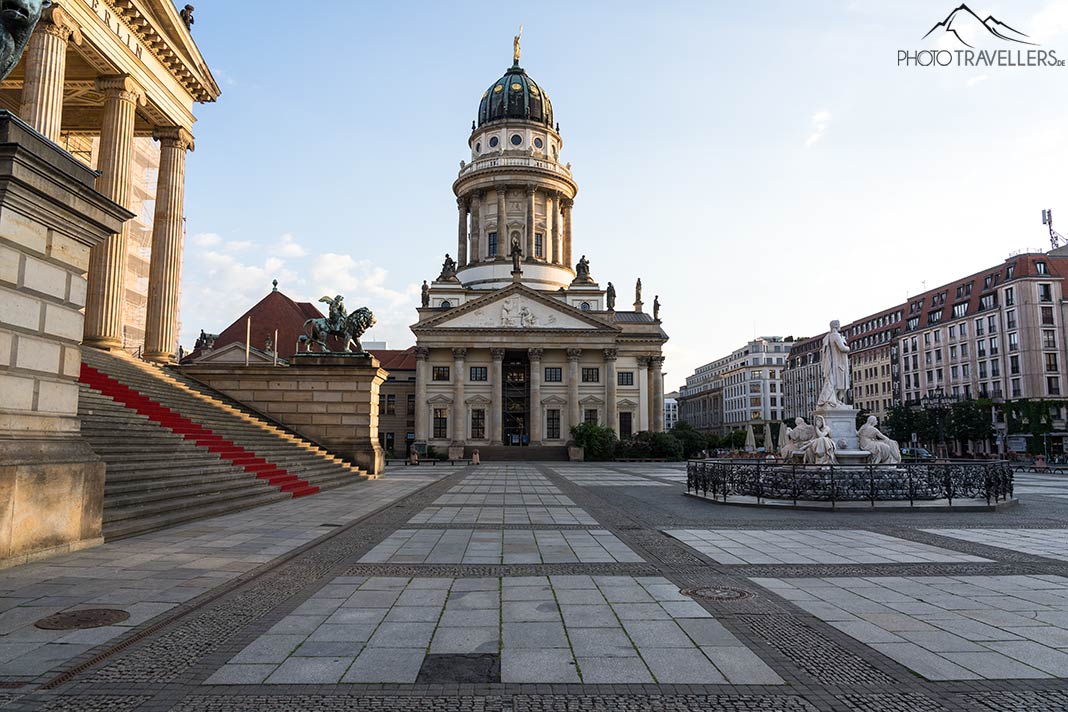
point(515, 96)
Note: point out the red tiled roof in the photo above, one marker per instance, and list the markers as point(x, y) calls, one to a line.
point(395, 359)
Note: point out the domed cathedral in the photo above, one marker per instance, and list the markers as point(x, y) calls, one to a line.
point(516, 340)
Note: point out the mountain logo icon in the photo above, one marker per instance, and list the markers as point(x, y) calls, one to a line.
point(969, 29)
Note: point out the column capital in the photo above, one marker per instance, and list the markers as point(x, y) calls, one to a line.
point(56, 22)
point(422, 353)
point(574, 354)
point(566, 203)
point(531, 188)
point(535, 354)
point(121, 86)
point(461, 202)
point(174, 136)
point(643, 361)
point(498, 354)
point(656, 362)
point(459, 354)
point(611, 354)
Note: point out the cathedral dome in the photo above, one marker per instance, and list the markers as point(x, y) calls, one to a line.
point(515, 96)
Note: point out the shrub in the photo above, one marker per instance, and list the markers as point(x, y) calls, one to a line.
point(650, 445)
point(598, 441)
point(691, 440)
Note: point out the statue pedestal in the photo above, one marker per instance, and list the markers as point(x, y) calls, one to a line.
point(843, 425)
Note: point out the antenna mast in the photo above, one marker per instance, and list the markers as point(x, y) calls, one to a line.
point(1055, 238)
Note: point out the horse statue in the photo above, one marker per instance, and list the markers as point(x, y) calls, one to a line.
point(347, 327)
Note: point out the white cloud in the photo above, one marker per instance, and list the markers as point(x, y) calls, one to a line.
point(237, 245)
point(288, 247)
point(205, 239)
point(820, 121)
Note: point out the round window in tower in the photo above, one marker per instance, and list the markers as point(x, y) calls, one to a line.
point(478, 147)
point(446, 304)
point(585, 306)
point(494, 141)
point(538, 143)
point(516, 139)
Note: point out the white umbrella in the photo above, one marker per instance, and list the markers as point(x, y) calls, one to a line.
point(750, 439)
point(782, 437)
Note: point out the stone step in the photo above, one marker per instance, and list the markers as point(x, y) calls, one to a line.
point(146, 523)
point(178, 478)
point(175, 494)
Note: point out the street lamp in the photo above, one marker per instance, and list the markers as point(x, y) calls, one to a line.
point(938, 402)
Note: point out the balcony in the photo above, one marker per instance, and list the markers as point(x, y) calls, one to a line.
point(507, 161)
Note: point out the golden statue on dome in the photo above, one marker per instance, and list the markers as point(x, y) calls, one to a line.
point(515, 45)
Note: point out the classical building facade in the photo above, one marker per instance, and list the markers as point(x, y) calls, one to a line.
point(515, 342)
point(103, 79)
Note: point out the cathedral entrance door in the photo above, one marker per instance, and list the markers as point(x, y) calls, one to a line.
point(515, 400)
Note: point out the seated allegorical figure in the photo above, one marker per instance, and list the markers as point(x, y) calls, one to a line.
point(884, 450)
point(821, 450)
point(797, 440)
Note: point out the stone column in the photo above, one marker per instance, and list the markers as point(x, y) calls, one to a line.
point(46, 63)
point(567, 203)
point(164, 275)
point(461, 237)
point(478, 246)
point(496, 384)
point(502, 224)
point(656, 377)
point(573, 409)
point(421, 377)
point(107, 261)
point(643, 393)
point(558, 254)
point(536, 416)
point(531, 190)
point(611, 408)
point(459, 416)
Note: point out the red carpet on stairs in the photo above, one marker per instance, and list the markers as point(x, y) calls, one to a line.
point(203, 437)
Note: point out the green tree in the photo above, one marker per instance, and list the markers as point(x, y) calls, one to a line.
point(598, 441)
point(692, 441)
point(970, 421)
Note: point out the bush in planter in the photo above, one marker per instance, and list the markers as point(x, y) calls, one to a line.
point(650, 445)
point(598, 442)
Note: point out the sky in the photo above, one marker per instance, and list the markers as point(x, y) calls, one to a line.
point(763, 167)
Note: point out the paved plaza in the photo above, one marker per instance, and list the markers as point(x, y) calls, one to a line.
point(551, 586)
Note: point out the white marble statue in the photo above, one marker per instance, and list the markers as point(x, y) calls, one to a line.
point(884, 451)
point(835, 370)
point(798, 439)
point(821, 450)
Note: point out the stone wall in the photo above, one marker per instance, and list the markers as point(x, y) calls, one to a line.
point(51, 483)
point(330, 399)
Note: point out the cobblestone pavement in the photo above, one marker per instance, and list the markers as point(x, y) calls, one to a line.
point(555, 587)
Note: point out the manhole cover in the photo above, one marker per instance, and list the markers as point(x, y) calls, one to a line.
point(716, 593)
point(470, 669)
point(85, 618)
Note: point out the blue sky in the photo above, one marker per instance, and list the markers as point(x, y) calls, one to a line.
point(763, 167)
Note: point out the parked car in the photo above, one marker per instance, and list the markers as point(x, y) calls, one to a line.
point(915, 453)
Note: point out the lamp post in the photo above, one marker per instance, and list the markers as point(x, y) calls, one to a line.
point(938, 402)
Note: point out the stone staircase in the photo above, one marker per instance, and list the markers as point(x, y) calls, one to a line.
point(175, 453)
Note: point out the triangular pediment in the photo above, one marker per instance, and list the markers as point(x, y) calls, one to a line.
point(515, 308)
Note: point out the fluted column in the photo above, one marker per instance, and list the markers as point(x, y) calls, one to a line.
point(496, 384)
point(643, 393)
point(536, 416)
point(421, 355)
point(164, 274)
point(41, 104)
point(531, 190)
point(567, 203)
point(656, 375)
point(558, 254)
point(573, 410)
point(476, 226)
point(461, 236)
point(610, 407)
point(459, 414)
point(107, 261)
point(503, 240)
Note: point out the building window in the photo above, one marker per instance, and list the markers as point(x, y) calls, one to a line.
point(391, 404)
point(411, 404)
point(585, 306)
point(538, 143)
point(446, 304)
point(494, 141)
point(441, 373)
point(1053, 385)
point(590, 416)
point(516, 139)
point(1045, 293)
point(987, 301)
point(993, 346)
point(1016, 392)
point(960, 310)
point(1010, 319)
point(1010, 296)
point(554, 374)
point(1047, 316)
point(1049, 339)
point(978, 327)
point(625, 378)
point(591, 375)
point(478, 424)
point(441, 423)
point(552, 424)
point(492, 244)
point(539, 250)
point(479, 373)
point(1040, 267)
point(1014, 341)
point(1014, 365)
point(1051, 362)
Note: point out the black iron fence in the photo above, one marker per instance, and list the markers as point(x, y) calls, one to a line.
point(908, 482)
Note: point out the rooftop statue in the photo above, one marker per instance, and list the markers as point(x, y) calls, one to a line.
point(347, 327)
point(515, 45)
point(656, 307)
point(426, 294)
point(611, 294)
point(582, 269)
point(186, 13)
point(17, 20)
point(448, 268)
point(515, 254)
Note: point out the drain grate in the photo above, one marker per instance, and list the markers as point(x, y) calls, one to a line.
point(471, 669)
point(84, 618)
point(717, 593)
